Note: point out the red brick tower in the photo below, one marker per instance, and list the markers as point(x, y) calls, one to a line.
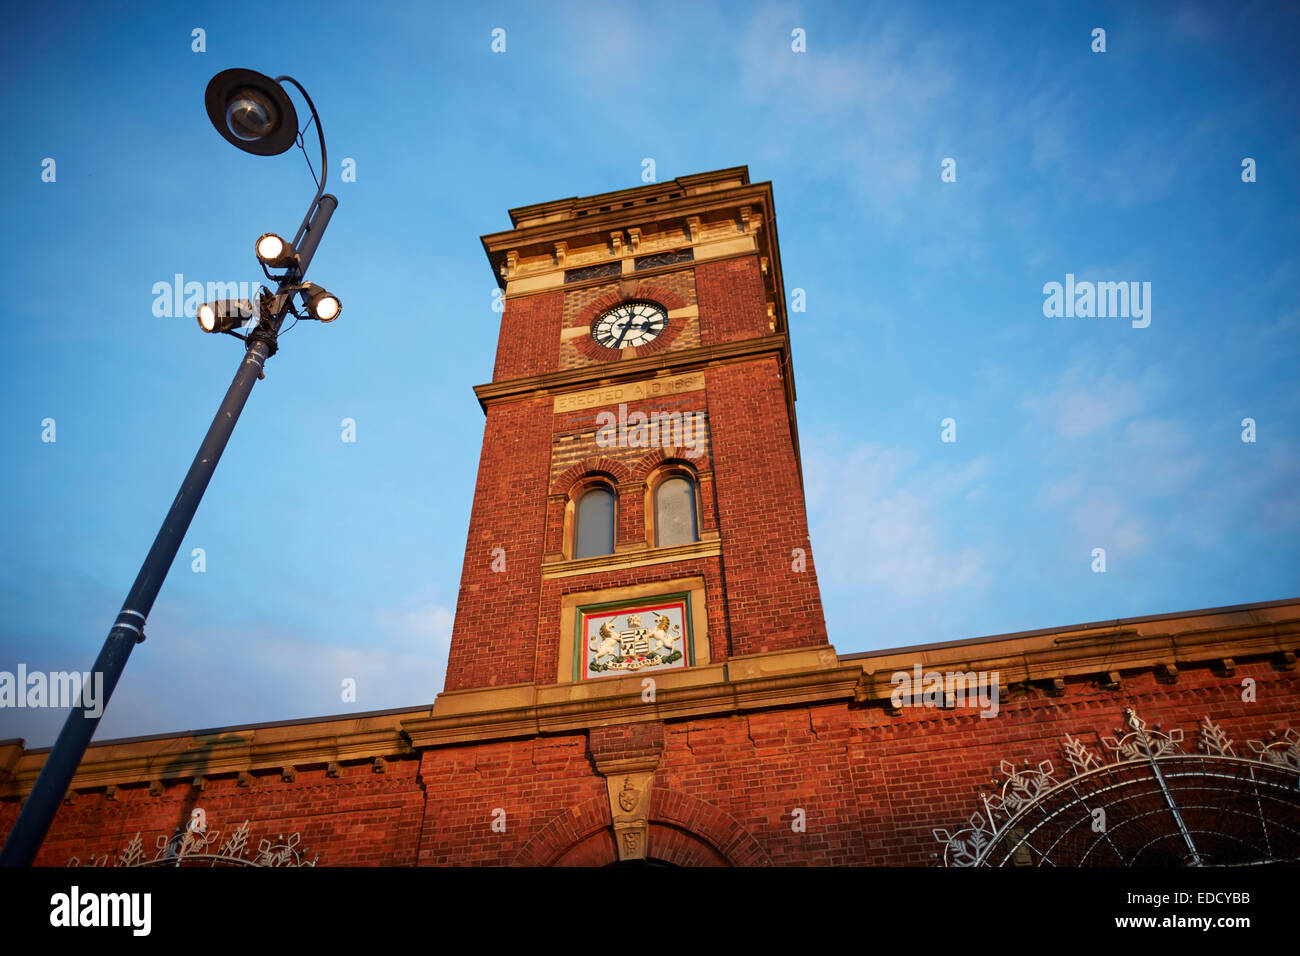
point(639, 669)
point(639, 491)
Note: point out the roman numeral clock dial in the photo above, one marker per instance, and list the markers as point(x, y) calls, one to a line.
point(629, 325)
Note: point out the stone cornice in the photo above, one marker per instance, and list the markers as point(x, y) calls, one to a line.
point(573, 229)
point(1221, 638)
point(679, 361)
point(674, 362)
point(788, 678)
point(1164, 645)
point(264, 748)
point(641, 557)
point(693, 184)
point(554, 228)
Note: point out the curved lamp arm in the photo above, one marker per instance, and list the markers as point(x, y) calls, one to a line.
point(324, 158)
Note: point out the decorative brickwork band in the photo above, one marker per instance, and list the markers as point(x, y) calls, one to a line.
point(671, 455)
point(591, 466)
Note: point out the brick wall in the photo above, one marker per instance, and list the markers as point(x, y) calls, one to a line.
point(749, 489)
point(532, 781)
point(733, 303)
point(575, 432)
point(761, 512)
point(496, 612)
point(530, 333)
point(873, 786)
point(359, 818)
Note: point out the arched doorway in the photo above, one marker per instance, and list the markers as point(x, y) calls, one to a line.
point(640, 864)
point(669, 846)
point(683, 831)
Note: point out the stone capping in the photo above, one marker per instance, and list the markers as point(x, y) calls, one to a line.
point(1209, 619)
point(588, 376)
point(790, 678)
point(780, 678)
point(527, 265)
point(690, 184)
point(540, 235)
point(1158, 645)
point(265, 748)
point(706, 547)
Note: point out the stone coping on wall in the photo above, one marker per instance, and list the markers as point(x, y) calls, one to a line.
point(1217, 638)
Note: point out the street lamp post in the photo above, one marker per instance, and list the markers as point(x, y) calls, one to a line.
point(254, 113)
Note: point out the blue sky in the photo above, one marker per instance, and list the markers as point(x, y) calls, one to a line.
point(328, 560)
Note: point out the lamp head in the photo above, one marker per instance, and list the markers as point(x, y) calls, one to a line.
point(224, 314)
point(252, 111)
point(276, 252)
point(322, 305)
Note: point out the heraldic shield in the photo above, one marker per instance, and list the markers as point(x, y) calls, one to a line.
point(650, 636)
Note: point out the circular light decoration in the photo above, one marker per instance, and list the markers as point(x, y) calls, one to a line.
point(629, 325)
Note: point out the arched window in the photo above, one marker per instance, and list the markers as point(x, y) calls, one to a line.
point(593, 532)
point(675, 520)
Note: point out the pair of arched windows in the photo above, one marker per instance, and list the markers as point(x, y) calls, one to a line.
point(676, 518)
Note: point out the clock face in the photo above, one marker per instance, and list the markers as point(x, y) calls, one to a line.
point(629, 325)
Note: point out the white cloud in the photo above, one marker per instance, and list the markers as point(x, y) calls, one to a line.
point(220, 674)
point(1158, 454)
point(877, 523)
point(1102, 520)
point(1085, 403)
point(1063, 490)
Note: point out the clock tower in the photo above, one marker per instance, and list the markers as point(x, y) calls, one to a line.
point(639, 669)
point(639, 510)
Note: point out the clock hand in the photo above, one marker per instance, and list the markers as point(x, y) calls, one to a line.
point(622, 335)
